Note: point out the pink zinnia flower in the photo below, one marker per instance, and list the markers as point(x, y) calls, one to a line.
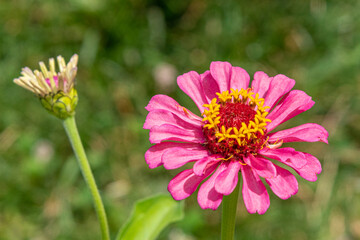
point(233, 135)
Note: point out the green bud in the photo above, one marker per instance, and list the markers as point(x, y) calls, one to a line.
point(61, 104)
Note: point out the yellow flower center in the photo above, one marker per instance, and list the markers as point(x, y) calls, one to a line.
point(235, 123)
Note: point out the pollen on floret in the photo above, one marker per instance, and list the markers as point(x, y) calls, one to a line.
point(235, 123)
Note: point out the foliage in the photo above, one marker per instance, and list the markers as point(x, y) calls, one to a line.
point(150, 216)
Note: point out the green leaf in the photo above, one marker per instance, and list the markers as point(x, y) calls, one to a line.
point(150, 216)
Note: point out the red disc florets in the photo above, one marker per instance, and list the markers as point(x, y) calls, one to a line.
point(235, 126)
point(233, 114)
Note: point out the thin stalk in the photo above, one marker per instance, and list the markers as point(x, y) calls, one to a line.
point(74, 137)
point(228, 218)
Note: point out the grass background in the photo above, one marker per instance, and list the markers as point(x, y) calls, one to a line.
point(129, 51)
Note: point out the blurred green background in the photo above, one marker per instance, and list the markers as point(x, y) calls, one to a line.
point(131, 50)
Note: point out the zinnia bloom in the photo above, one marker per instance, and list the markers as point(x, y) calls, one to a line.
point(235, 134)
point(55, 89)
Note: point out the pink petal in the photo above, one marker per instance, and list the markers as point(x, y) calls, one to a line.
point(227, 180)
point(239, 78)
point(286, 155)
point(256, 198)
point(263, 167)
point(309, 132)
point(310, 170)
point(210, 85)
point(291, 105)
point(306, 165)
point(154, 154)
point(208, 197)
point(190, 83)
point(279, 86)
point(221, 72)
point(186, 182)
point(284, 185)
point(159, 117)
point(201, 165)
point(221, 77)
point(179, 156)
point(167, 103)
point(172, 133)
point(261, 83)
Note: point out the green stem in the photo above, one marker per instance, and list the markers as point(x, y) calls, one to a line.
point(228, 218)
point(73, 134)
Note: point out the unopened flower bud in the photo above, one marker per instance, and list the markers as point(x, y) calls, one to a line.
point(55, 90)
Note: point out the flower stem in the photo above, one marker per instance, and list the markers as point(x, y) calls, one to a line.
point(74, 137)
point(228, 217)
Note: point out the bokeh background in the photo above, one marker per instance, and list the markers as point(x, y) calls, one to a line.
point(129, 51)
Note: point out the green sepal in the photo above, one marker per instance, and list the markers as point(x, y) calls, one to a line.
point(61, 104)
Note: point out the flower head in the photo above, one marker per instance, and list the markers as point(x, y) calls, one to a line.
point(55, 89)
point(233, 135)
